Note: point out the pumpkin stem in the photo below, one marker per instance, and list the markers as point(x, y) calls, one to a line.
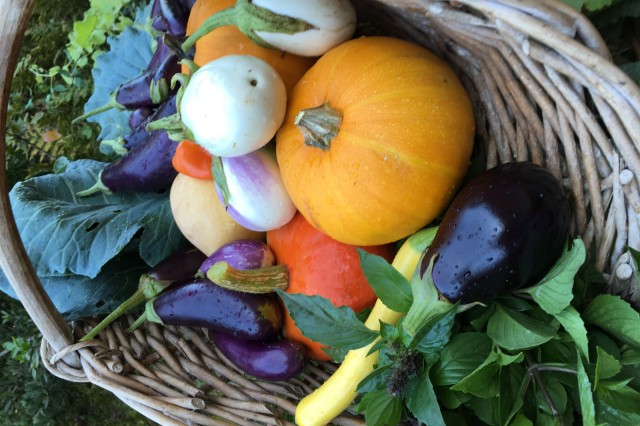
point(319, 125)
point(249, 19)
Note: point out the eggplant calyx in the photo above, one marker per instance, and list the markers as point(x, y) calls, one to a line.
point(261, 280)
point(427, 304)
point(248, 18)
point(114, 145)
point(149, 314)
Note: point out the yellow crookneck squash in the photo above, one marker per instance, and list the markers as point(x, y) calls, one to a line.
point(377, 138)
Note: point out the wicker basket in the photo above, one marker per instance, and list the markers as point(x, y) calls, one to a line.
point(544, 90)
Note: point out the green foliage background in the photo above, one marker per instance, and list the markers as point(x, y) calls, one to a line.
point(51, 84)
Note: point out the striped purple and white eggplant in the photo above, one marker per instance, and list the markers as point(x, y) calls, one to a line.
point(257, 198)
point(241, 254)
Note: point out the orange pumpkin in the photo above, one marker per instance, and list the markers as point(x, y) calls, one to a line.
point(228, 40)
point(377, 137)
point(320, 265)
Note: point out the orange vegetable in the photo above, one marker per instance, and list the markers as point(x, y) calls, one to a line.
point(192, 160)
point(229, 40)
point(377, 137)
point(320, 265)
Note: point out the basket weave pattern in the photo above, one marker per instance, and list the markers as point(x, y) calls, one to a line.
point(544, 90)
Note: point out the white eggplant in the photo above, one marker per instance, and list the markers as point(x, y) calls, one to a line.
point(233, 105)
point(257, 198)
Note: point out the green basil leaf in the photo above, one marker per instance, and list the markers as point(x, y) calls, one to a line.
point(434, 335)
point(512, 379)
point(571, 321)
point(484, 381)
point(380, 409)
point(389, 285)
point(321, 321)
point(606, 367)
point(460, 357)
point(375, 381)
point(64, 234)
point(421, 400)
point(587, 407)
point(615, 316)
point(518, 331)
point(617, 405)
point(554, 292)
point(558, 394)
point(521, 420)
point(451, 399)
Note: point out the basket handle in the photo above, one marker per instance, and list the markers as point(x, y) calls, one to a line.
point(13, 257)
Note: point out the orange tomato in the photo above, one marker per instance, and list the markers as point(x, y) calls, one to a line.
point(229, 40)
point(320, 265)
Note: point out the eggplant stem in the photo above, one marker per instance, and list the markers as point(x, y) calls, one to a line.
point(261, 280)
point(106, 107)
point(133, 301)
point(248, 18)
point(97, 187)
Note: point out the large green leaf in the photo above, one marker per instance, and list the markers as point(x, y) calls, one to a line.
point(76, 296)
point(64, 234)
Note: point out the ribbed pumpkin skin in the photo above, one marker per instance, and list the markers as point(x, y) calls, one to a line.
point(228, 40)
point(403, 146)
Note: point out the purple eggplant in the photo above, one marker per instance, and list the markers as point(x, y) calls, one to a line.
point(272, 360)
point(502, 232)
point(139, 116)
point(170, 16)
point(148, 89)
point(124, 144)
point(145, 168)
point(202, 303)
point(176, 269)
point(241, 254)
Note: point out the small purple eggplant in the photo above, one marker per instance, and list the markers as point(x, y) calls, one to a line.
point(124, 144)
point(148, 89)
point(176, 269)
point(272, 360)
point(170, 16)
point(202, 303)
point(241, 254)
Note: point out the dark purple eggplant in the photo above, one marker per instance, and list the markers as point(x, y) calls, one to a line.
point(272, 360)
point(502, 232)
point(148, 89)
point(202, 303)
point(241, 254)
point(145, 168)
point(170, 16)
point(124, 144)
point(178, 268)
point(187, 4)
point(139, 116)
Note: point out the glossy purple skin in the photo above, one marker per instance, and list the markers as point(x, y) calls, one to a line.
point(241, 254)
point(181, 266)
point(159, 55)
point(171, 17)
point(136, 93)
point(139, 116)
point(140, 133)
point(201, 303)
point(502, 232)
point(272, 360)
point(145, 168)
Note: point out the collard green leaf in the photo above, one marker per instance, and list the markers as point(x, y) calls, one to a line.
point(64, 234)
point(554, 292)
point(318, 319)
point(462, 355)
point(388, 284)
point(128, 55)
point(571, 321)
point(615, 316)
point(514, 330)
point(421, 400)
point(76, 296)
